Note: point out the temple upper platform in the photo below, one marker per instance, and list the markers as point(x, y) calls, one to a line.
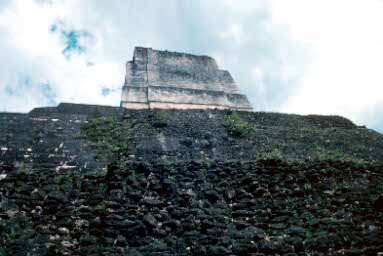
point(171, 80)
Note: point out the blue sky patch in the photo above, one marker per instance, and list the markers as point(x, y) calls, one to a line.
point(54, 28)
point(105, 91)
point(26, 86)
point(73, 43)
point(49, 94)
point(76, 41)
point(10, 91)
point(19, 89)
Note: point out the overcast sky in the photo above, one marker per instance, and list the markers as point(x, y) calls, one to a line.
point(295, 56)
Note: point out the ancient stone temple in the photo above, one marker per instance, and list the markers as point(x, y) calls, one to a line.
point(166, 80)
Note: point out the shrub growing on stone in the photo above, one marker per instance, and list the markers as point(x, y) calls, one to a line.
point(109, 137)
point(161, 119)
point(235, 126)
point(4, 251)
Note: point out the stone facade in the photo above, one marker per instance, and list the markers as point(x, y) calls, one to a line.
point(171, 80)
point(98, 180)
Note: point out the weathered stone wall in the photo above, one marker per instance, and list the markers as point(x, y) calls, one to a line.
point(184, 186)
point(135, 97)
point(190, 208)
point(186, 96)
point(195, 79)
point(194, 134)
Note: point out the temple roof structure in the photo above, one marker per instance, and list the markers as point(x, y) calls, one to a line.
point(171, 80)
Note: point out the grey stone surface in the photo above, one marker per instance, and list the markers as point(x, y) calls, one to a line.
point(162, 79)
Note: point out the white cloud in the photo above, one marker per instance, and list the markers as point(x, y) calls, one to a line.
point(35, 53)
point(234, 31)
point(345, 75)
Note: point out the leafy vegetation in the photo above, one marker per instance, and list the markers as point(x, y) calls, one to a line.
point(336, 154)
point(161, 118)
point(275, 154)
point(4, 251)
point(235, 126)
point(110, 138)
